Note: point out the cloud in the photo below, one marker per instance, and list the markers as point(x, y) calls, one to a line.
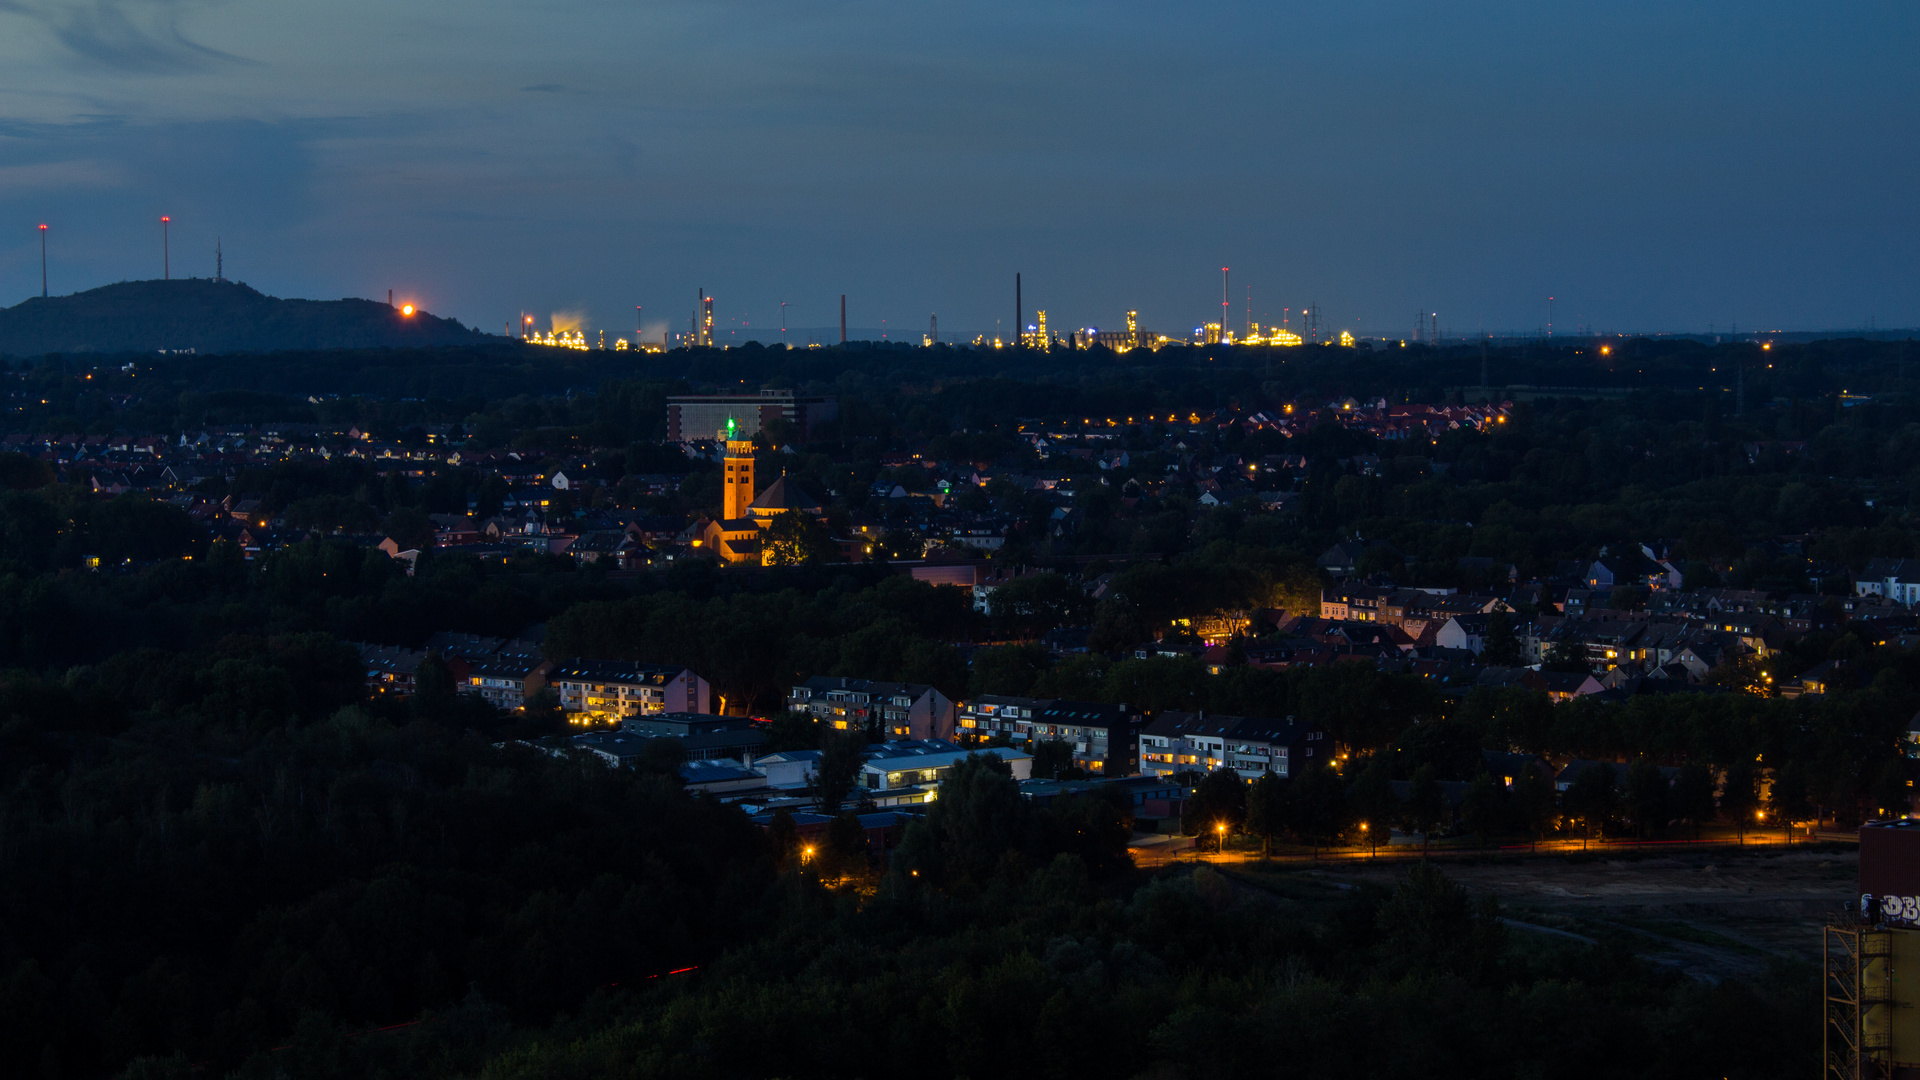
point(128, 35)
point(62, 175)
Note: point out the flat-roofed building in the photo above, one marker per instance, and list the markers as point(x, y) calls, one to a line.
point(701, 416)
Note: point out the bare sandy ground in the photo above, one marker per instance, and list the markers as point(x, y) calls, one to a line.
point(1712, 914)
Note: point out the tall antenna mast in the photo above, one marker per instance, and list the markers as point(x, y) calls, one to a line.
point(1019, 314)
point(933, 329)
point(1226, 310)
point(219, 262)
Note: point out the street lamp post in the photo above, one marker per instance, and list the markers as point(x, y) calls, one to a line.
point(1220, 842)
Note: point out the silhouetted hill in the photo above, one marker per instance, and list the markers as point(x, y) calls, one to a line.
point(211, 317)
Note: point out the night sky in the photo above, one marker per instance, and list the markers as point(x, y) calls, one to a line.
point(1654, 166)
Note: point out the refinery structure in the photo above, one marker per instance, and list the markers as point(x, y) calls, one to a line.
point(700, 333)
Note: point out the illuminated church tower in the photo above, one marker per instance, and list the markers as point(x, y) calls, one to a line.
point(739, 474)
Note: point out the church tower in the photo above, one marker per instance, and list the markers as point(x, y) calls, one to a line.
point(738, 475)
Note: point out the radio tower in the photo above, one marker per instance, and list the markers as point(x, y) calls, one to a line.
point(933, 329)
point(1226, 309)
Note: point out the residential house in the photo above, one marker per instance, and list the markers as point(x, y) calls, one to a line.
point(1896, 579)
point(390, 669)
point(1104, 736)
point(605, 692)
point(1609, 572)
point(1561, 685)
point(992, 715)
point(899, 710)
point(1352, 603)
point(1822, 678)
point(1250, 745)
point(507, 680)
point(1466, 632)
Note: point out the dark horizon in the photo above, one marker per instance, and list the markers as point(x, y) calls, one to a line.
point(829, 334)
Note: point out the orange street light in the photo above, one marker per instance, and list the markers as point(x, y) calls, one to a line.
point(406, 309)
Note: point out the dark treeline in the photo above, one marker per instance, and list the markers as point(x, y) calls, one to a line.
point(224, 871)
point(203, 855)
point(917, 392)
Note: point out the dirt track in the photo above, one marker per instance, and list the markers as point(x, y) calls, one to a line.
point(1711, 914)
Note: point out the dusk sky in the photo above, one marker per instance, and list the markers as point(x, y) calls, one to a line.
point(1652, 165)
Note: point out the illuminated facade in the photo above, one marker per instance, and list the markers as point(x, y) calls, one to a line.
point(600, 693)
point(745, 510)
point(738, 474)
point(1249, 745)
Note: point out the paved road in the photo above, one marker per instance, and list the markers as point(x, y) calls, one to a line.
point(1157, 854)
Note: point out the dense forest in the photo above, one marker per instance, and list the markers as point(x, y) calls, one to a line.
point(218, 856)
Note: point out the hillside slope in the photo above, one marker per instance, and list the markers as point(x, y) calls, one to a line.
point(211, 316)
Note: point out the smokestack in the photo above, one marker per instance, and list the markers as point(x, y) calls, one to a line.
point(843, 318)
point(1019, 312)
